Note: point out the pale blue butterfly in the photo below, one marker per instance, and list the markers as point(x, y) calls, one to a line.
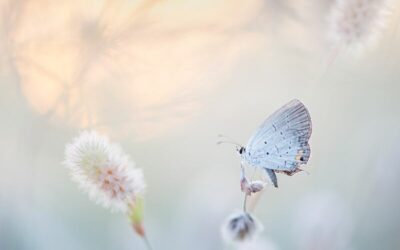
point(280, 144)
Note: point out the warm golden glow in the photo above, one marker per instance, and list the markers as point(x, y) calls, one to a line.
point(131, 66)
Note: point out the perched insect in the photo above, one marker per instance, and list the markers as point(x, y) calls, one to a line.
point(280, 144)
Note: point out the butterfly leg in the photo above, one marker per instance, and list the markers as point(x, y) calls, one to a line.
point(272, 176)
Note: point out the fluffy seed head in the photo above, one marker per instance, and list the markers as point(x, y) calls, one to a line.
point(240, 227)
point(357, 23)
point(251, 187)
point(103, 171)
point(256, 186)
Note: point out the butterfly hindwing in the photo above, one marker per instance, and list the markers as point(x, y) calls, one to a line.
point(281, 142)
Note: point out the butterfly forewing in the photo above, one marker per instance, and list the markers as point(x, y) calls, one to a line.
point(281, 142)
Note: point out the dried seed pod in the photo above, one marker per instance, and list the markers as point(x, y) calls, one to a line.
point(245, 186)
point(256, 186)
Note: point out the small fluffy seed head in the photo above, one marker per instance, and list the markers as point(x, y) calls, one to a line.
point(103, 171)
point(256, 186)
point(240, 227)
point(357, 23)
point(251, 187)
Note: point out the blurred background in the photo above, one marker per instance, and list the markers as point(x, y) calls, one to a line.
point(163, 79)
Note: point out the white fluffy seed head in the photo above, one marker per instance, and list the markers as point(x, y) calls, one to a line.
point(103, 171)
point(356, 23)
point(240, 227)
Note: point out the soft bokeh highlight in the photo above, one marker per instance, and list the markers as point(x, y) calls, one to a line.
point(164, 78)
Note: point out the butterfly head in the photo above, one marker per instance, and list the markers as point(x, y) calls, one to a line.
point(241, 150)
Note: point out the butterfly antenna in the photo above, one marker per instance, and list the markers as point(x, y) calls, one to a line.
point(228, 141)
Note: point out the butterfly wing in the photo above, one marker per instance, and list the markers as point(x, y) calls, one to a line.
point(281, 142)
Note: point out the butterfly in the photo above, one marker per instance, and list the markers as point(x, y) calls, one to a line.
point(280, 144)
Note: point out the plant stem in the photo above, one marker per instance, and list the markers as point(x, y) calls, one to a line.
point(147, 242)
point(256, 199)
point(245, 194)
point(244, 203)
